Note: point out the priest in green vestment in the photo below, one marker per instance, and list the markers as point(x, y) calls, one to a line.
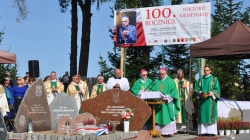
point(77, 91)
point(166, 112)
point(99, 87)
point(53, 87)
point(207, 90)
point(142, 84)
point(185, 90)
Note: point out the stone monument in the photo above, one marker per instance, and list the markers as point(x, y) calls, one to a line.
point(34, 106)
point(61, 124)
point(3, 130)
point(62, 105)
point(110, 104)
point(80, 119)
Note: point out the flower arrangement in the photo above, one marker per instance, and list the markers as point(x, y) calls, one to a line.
point(88, 122)
point(234, 125)
point(221, 125)
point(246, 125)
point(241, 125)
point(127, 114)
point(227, 125)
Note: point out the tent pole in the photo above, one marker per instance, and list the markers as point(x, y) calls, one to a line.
point(190, 75)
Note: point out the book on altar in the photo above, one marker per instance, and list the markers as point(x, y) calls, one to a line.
point(154, 95)
point(150, 94)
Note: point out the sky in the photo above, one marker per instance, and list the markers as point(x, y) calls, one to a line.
point(45, 35)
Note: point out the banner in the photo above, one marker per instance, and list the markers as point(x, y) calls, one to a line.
point(163, 25)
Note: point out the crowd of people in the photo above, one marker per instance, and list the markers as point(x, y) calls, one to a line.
point(14, 91)
point(173, 115)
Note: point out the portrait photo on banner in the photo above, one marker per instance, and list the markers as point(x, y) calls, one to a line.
point(126, 27)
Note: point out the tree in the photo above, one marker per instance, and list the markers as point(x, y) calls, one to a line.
point(22, 9)
point(74, 29)
point(86, 24)
point(105, 70)
point(1, 36)
point(85, 7)
point(229, 72)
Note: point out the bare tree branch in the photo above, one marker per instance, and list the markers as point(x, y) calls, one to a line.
point(21, 6)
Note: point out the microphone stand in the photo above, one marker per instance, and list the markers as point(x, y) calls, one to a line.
point(149, 85)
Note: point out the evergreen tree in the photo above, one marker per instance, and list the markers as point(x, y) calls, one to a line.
point(85, 6)
point(105, 70)
point(228, 71)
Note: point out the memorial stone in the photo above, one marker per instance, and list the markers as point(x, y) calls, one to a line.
point(85, 117)
point(34, 106)
point(62, 105)
point(61, 124)
point(3, 130)
point(110, 104)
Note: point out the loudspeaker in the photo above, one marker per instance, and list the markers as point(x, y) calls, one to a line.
point(34, 68)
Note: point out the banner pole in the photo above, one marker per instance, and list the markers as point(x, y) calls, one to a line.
point(162, 56)
point(124, 64)
point(121, 60)
point(162, 47)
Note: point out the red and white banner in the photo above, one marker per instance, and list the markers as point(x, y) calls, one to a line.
point(164, 25)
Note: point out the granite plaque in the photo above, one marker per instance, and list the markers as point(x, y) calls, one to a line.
point(62, 105)
point(110, 104)
point(3, 130)
point(84, 119)
point(34, 106)
point(60, 128)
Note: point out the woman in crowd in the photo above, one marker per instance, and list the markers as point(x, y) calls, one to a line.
point(47, 78)
point(31, 80)
point(19, 91)
point(26, 81)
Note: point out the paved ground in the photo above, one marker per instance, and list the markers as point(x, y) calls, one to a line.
point(193, 134)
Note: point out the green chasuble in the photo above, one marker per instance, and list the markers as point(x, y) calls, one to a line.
point(207, 108)
point(182, 101)
point(165, 113)
point(99, 88)
point(77, 89)
point(139, 85)
point(53, 84)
